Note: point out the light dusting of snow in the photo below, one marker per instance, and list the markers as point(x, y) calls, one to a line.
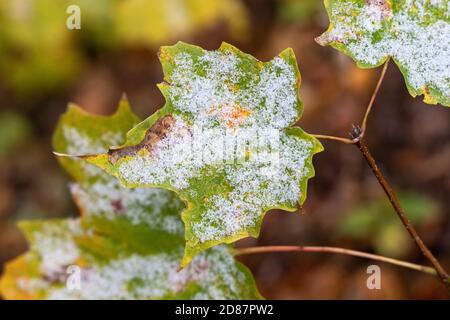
point(215, 274)
point(257, 187)
point(411, 35)
point(31, 284)
point(158, 209)
point(269, 97)
point(102, 195)
point(157, 276)
point(80, 143)
point(223, 106)
point(55, 246)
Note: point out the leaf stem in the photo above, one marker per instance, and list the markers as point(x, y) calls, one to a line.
point(373, 97)
point(362, 146)
point(340, 139)
point(366, 115)
point(317, 249)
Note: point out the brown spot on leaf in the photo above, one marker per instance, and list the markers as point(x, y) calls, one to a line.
point(56, 276)
point(157, 132)
point(117, 206)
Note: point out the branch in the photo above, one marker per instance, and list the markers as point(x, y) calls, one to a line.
point(362, 146)
point(340, 139)
point(374, 95)
point(357, 138)
point(408, 265)
point(366, 115)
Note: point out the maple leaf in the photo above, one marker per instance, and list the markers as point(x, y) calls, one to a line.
point(224, 142)
point(414, 33)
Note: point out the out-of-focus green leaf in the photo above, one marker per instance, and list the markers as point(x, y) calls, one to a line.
point(377, 223)
point(297, 11)
point(415, 33)
point(38, 54)
point(152, 22)
point(106, 206)
point(14, 129)
point(392, 241)
point(361, 221)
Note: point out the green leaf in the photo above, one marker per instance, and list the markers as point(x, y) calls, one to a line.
point(298, 11)
point(14, 130)
point(128, 242)
point(79, 132)
point(155, 22)
point(374, 222)
point(415, 33)
point(34, 40)
point(56, 244)
point(223, 142)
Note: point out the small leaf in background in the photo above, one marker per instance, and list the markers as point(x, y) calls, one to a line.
point(298, 11)
point(415, 33)
point(152, 22)
point(14, 129)
point(39, 55)
point(127, 243)
point(36, 46)
point(217, 101)
point(376, 222)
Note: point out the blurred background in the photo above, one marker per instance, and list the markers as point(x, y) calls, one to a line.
point(43, 66)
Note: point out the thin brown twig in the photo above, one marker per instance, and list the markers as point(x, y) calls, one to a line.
point(340, 139)
point(373, 97)
point(405, 264)
point(362, 146)
point(366, 115)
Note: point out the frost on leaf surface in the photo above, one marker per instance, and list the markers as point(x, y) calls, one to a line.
point(224, 142)
point(107, 272)
point(415, 33)
point(127, 243)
